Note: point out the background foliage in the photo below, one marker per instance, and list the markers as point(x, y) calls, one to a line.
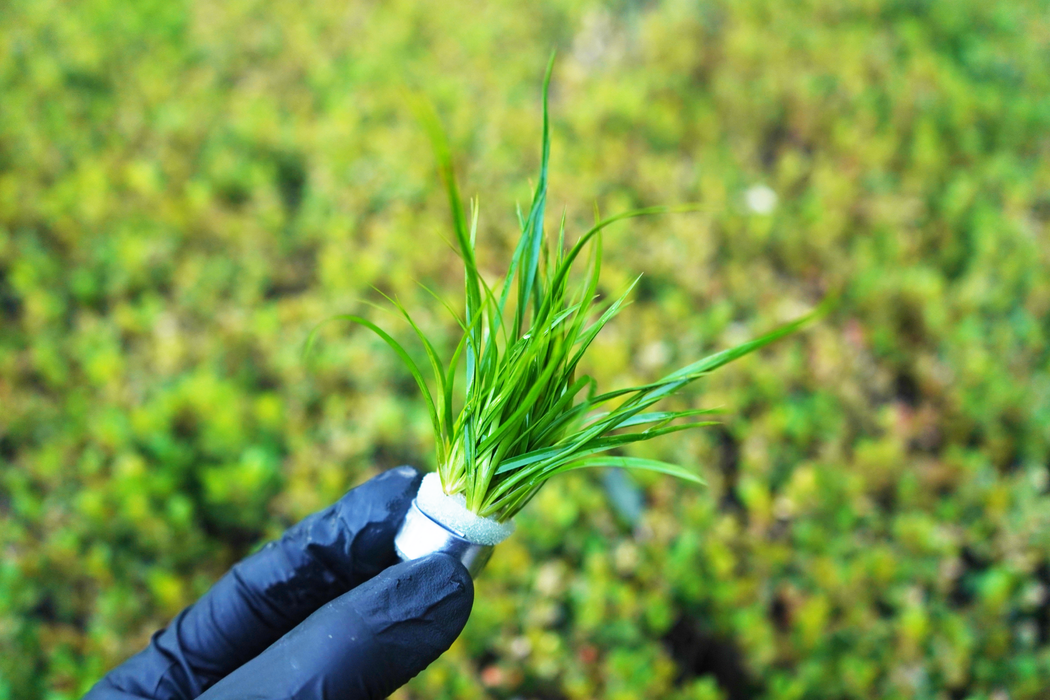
point(187, 187)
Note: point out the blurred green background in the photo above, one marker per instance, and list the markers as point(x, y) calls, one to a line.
point(187, 187)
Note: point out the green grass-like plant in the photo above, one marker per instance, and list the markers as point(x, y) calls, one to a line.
point(526, 414)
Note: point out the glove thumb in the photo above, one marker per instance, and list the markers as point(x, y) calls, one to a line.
point(364, 644)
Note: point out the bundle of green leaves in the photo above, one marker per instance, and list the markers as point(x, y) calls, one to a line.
point(526, 413)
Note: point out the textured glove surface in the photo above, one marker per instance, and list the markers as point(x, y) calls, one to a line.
point(337, 629)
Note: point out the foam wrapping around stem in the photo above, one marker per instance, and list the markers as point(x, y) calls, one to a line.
point(451, 511)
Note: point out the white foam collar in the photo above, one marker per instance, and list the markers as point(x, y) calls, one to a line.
point(451, 511)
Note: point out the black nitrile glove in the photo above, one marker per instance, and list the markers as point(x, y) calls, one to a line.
point(315, 615)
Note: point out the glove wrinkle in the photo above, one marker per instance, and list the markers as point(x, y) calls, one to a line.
point(180, 676)
point(159, 671)
point(261, 606)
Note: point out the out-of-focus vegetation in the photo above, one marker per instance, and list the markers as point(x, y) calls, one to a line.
point(187, 187)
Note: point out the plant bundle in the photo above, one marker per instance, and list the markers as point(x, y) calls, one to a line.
point(527, 413)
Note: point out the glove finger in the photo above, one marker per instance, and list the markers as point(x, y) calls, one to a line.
point(366, 643)
point(270, 592)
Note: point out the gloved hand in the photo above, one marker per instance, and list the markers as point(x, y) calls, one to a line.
point(315, 615)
